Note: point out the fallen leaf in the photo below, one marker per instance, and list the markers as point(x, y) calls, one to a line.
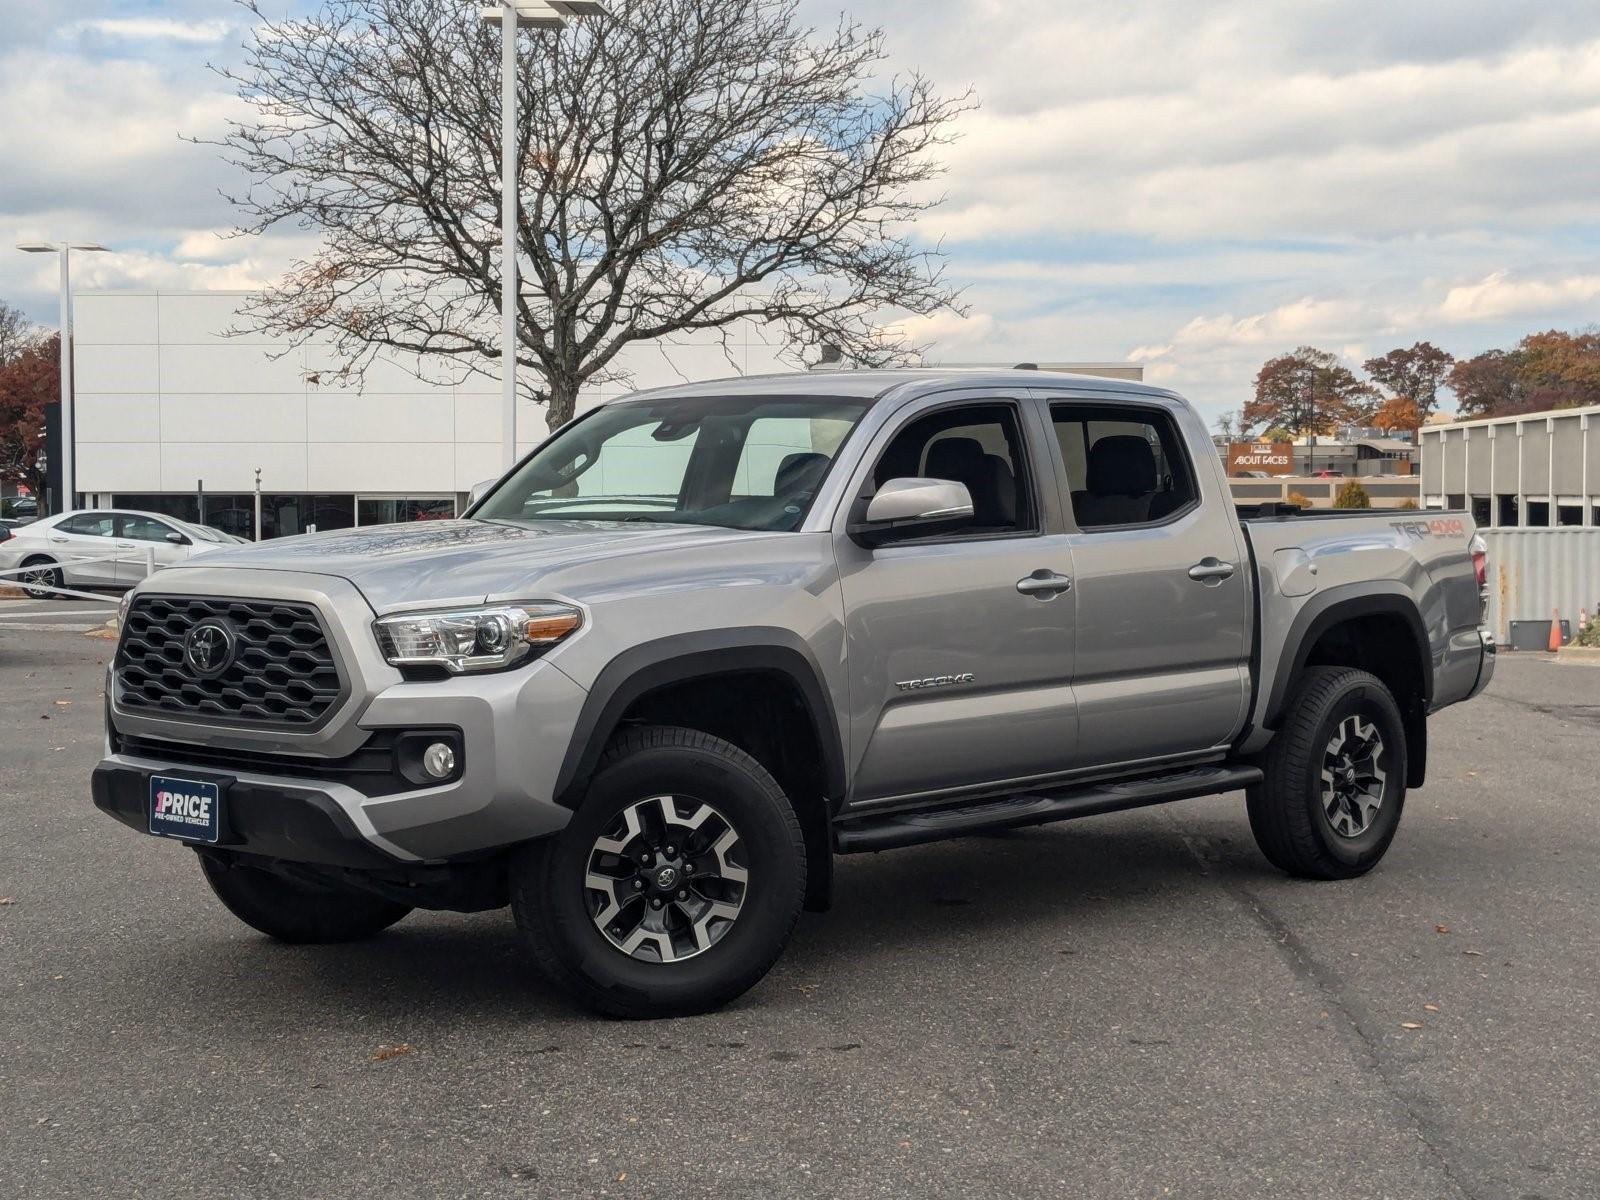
point(1431, 1007)
point(385, 1053)
point(63, 703)
point(1409, 1025)
point(5, 900)
point(1473, 953)
point(623, 1178)
point(1441, 929)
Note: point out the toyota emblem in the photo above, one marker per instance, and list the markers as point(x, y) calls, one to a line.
point(209, 648)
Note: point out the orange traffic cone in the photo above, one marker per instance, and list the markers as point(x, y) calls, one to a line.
point(1555, 630)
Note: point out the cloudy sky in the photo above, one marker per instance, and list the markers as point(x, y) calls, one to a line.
point(1195, 185)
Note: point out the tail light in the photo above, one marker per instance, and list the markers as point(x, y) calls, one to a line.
point(5, 532)
point(1480, 568)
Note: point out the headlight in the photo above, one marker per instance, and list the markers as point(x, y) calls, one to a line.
point(123, 606)
point(462, 640)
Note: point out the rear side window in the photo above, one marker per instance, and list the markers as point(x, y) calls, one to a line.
point(88, 525)
point(1125, 466)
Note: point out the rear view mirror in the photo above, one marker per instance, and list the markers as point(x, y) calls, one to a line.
point(177, 539)
point(479, 490)
point(911, 508)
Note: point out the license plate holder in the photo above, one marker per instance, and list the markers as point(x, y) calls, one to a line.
point(189, 810)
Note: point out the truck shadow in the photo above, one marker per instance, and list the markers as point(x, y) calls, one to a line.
point(894, 912)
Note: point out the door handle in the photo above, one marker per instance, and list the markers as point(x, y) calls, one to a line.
point(60, 540)
point(1211, 570)
point(126, 546)
point(1044, 583)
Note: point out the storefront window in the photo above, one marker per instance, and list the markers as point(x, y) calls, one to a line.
point(391, 512)
point(285, 516)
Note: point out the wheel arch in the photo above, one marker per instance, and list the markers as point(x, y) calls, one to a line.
point(738, 685)
point(1378, 631)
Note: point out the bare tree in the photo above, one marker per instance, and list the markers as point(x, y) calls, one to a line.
point(685, 164)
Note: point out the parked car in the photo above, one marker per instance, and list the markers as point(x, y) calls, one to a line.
point(20, 508)
point(704, 639)
point(100, 548)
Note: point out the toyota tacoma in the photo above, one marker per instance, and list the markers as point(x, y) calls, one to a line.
point(704, 639)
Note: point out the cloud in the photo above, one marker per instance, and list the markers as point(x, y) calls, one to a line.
point(1500, 295)
point(155, 29)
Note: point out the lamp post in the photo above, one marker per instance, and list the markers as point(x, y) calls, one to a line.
point(510, 16)
point(69, 455)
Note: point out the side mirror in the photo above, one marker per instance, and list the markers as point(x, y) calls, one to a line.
point(479, 490)
point(177, 539)
point(911, 508)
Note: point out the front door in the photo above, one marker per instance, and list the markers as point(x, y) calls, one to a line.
point(141, 539)
point(960, 646)
point(1162, 585)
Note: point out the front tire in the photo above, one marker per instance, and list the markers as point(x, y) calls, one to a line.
point(293, 910)
point(1335, 782)
point(40, 575)
point(675, 886)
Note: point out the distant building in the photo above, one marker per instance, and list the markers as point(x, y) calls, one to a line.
point(1539, 469)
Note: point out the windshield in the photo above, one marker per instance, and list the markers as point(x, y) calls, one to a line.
point(741, 462)
point(204, 532)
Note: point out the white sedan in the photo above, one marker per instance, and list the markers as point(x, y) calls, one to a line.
point(100, 548)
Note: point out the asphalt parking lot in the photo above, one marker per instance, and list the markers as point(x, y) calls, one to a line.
point(1127, 1006)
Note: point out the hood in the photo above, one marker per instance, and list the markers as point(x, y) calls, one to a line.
point(451, 562)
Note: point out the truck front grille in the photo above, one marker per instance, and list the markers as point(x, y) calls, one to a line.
point(278, 667)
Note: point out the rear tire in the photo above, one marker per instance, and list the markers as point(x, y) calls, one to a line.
point(640, 914)
point(296, 911)
point(41, 571)
point(1335, 782)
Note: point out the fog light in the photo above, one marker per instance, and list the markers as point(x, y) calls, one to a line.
point(439, 760)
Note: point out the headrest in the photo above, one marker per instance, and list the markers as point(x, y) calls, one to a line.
point(1122, 465)
point(957, 458)
point(799, 473)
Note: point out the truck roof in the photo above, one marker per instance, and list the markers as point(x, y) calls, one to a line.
point(878, 384)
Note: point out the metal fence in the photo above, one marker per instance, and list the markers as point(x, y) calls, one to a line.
point(1532, 571)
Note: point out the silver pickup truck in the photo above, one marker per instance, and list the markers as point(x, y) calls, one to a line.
point(706, 638)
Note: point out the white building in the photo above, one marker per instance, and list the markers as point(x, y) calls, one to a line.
point(171, 403)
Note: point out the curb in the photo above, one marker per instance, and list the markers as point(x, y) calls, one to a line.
point(1578, 654)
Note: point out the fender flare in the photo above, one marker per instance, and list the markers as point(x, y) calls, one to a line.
point(1334, 607)
point(651, 665)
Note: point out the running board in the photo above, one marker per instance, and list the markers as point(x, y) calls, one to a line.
point(911, 829)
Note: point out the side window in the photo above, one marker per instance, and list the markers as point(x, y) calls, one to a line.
point(88, 525)
point(144, 529)
point(1125, 466)
point(979, 445)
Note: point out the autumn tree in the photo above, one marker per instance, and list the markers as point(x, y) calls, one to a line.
point(1543, 371)
point(30, 378)
point(1308, 392)
point(1398, 414)
point(684, 165)
point(1415, 375)
point(1489, 385)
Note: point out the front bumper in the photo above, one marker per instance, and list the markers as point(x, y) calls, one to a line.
point(300, 822)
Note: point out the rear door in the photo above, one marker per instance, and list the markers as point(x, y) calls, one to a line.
point(86, 547)
point(958, 677)
point(1163, 609)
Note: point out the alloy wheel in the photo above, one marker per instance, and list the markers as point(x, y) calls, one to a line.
point(1353, 776)
point(665, 881)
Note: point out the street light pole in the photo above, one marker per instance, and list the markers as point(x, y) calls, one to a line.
point(510, 16)
point(69, 449)
point(510, 204)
